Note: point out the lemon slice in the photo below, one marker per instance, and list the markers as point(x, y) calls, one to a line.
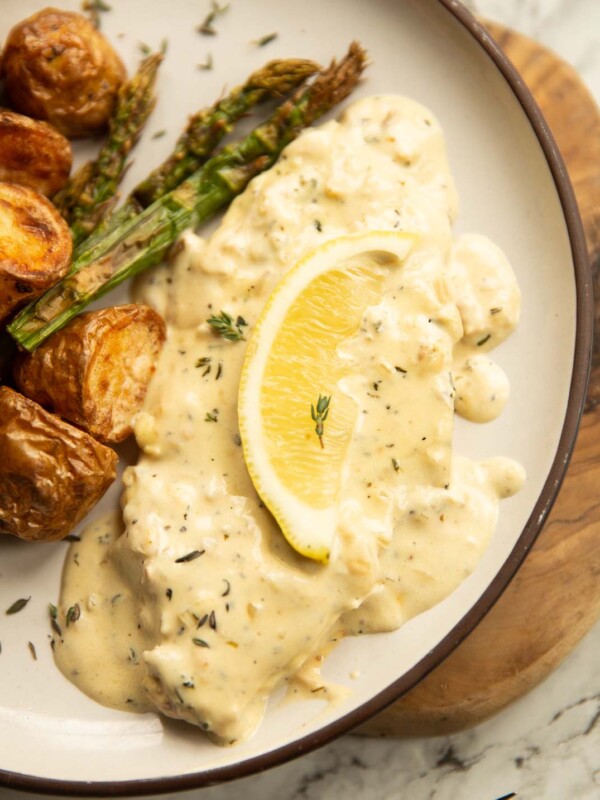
point(292, 360)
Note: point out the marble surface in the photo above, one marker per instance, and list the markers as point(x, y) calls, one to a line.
point(545, 746)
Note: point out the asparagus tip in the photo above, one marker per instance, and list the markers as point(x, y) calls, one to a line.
point(280, 76)
point(337, 81)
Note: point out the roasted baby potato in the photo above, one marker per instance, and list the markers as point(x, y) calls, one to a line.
point(35, 246)
point(33, 153)
point(95, 371)
point(51, 473)
point(59, 68)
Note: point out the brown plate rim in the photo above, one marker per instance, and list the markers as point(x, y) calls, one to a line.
point(577, 394)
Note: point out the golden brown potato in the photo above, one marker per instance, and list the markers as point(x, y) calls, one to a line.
point(35, 246)
point(51, 473)
point(58, 67)
point(33, 153)
point(95, 371)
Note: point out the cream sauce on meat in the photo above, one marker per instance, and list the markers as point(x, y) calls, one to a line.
point(192, 602)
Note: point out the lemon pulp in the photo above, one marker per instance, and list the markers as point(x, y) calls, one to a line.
point(292, 359)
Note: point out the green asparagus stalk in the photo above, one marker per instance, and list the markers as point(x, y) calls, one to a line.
point(207, 127)
point(144, 240)
point(204, 132)
point(91, 193)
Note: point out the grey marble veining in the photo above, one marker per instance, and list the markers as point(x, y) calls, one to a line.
point(545, 747)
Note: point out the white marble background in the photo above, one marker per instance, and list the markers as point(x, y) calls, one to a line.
point(547, 745)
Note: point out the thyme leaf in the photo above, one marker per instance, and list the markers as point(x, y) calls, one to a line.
point(206, 28)
point(207, 64)
point(73, 614)
point(319, 415)
point(18, 605)
point(265, 40)
point(94, 9)
point(53, 612)
point(200, 643)
point(189, 556)
point(212, 416)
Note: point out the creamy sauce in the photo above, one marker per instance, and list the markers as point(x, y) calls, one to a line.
point(193, 603)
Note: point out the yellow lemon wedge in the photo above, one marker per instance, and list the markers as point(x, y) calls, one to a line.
point(295, 422)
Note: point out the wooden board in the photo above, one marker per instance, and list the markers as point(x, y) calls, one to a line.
point(555, 597)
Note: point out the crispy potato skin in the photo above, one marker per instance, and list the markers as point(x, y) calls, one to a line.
point(51, 473)
point(35, 246)
point(33, 153)
point(59, 68)
point(95, 371)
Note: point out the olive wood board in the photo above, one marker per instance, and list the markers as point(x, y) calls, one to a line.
point(554, 599)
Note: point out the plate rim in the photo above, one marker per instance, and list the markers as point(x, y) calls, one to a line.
point(577, 393)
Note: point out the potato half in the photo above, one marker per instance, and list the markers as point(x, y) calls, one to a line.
point(58, 67)
point(35, 246)
point(51, 473)
point(95, 371)
point(33, 153)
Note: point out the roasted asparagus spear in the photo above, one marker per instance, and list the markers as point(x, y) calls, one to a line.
point(91, 193)
point(144, 240)
point(204, 132)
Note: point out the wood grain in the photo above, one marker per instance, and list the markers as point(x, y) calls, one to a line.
point(555, 597)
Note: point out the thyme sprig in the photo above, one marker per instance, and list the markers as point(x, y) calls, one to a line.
point(224, 325)
point(319, 415)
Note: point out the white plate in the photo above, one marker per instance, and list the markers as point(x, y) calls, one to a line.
point(507, 173)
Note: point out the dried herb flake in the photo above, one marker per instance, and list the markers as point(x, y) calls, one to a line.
point(73, 614)
point(207, 64)
point(190, 556)
point(265, 40)
point(18, 605)
point(207, 28)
